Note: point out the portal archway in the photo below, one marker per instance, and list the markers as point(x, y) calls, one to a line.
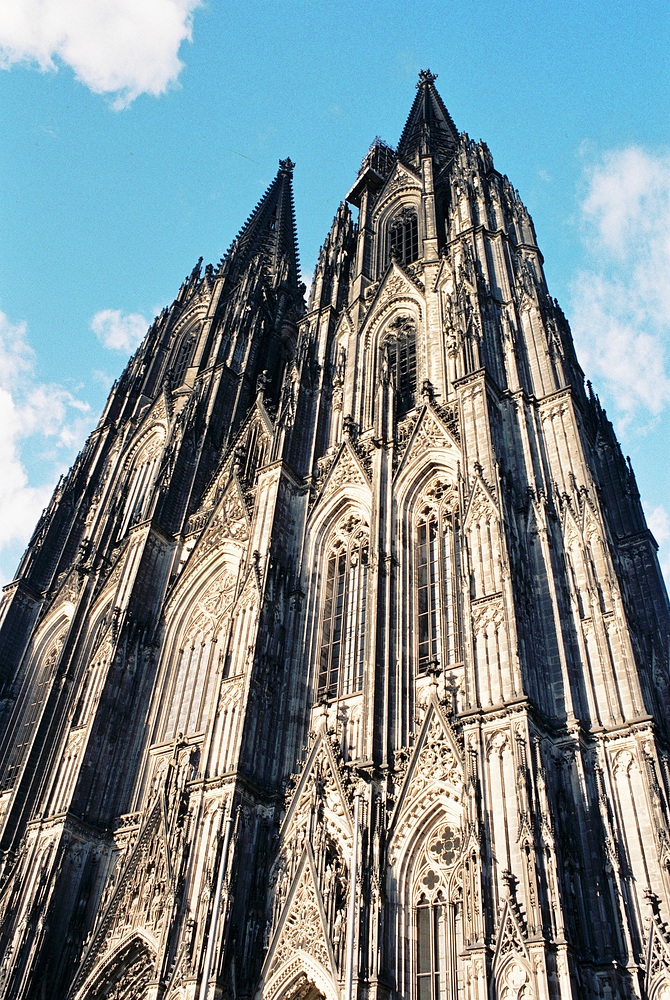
point(301, 978)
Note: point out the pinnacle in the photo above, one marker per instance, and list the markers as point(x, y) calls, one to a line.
point(425, 76)
point(430, 129)
point(270, 232)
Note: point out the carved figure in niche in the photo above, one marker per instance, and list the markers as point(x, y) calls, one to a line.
point(338, 938)
point(288, 399)
point(385, 370)
point(338, 377)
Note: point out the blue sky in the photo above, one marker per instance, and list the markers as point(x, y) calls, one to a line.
point(139, 134)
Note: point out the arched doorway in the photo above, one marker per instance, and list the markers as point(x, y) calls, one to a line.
point(126, 975)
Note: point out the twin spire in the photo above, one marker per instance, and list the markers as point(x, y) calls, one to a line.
point(270, 230)
point(429, 129)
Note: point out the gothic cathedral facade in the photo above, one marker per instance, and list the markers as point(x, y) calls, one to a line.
point(337, 667)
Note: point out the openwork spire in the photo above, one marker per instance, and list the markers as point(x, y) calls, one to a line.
point(270, 232)
point(430, 129)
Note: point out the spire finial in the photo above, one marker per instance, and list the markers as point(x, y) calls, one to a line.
point(287, 165)
point(425, 76)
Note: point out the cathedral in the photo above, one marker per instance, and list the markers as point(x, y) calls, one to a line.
point(337, 666)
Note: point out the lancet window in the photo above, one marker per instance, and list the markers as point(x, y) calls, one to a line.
point(436, 614)
point(30, 705)
point(398, 361)
point(344, 610)
point(438, 918)
point(404, 236)
point(200, 655)
point(141, 480)
point(182, 360)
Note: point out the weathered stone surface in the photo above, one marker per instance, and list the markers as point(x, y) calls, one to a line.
point(338, 664)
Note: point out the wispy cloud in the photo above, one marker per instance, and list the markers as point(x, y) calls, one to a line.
point(621, 300)
point(658, 520)
point(33, 414)
point(119, 331)
point(119, 47)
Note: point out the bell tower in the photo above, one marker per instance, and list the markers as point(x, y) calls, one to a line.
point(338, 665)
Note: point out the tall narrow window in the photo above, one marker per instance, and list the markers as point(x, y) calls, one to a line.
point(30, 706)
point(197, 662)
point(436, 597)
point(428, 592)
point(182, 361)
point(344, 611)
point(140, 481)
point(404, 236)
point(399, 358)
point(429, 924)
point(438, 922)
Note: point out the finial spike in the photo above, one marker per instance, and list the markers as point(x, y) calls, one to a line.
point(425, 76)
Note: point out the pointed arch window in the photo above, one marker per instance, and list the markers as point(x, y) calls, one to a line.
point(438, 918)
point(404, 236)
point(436, 604)
point(182, 360)
point(199, 658)
point(344, 610)
point(429, 920)
point(29, 708)
point(140, 480)
point(398, 361)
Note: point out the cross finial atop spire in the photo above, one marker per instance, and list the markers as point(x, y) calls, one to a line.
point(425, 76)
point(287, 165)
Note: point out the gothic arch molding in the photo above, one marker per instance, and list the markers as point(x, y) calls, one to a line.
point(418, 475)
point(435, 456)
point(340, 547)
point(439, 810)
point(199, 616)
point(301, 978)
point(125, 974)
point(427, 534)
point(139, 472)
point(426, 853)
point(155, 434)
point(30, 694)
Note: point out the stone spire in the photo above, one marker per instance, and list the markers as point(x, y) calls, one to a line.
point(429, 128)
point(270, 232)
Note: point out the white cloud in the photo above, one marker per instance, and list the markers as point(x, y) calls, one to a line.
point(119, 331)
point(33, 415)
point(658, 521)
point(621, 301)
point(120, 47)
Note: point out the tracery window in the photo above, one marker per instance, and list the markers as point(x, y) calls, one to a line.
point(141, 480)
point(201, 653)
point(398, 361)
point(438, 918)
point(404, 236)
point(436, 615)
point(30, 705)
point(182, 360)
point(344, 610)
point(429, 931)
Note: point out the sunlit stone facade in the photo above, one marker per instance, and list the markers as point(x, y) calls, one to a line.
point(337, 666)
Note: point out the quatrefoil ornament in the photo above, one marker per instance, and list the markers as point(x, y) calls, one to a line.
point(445, 846)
